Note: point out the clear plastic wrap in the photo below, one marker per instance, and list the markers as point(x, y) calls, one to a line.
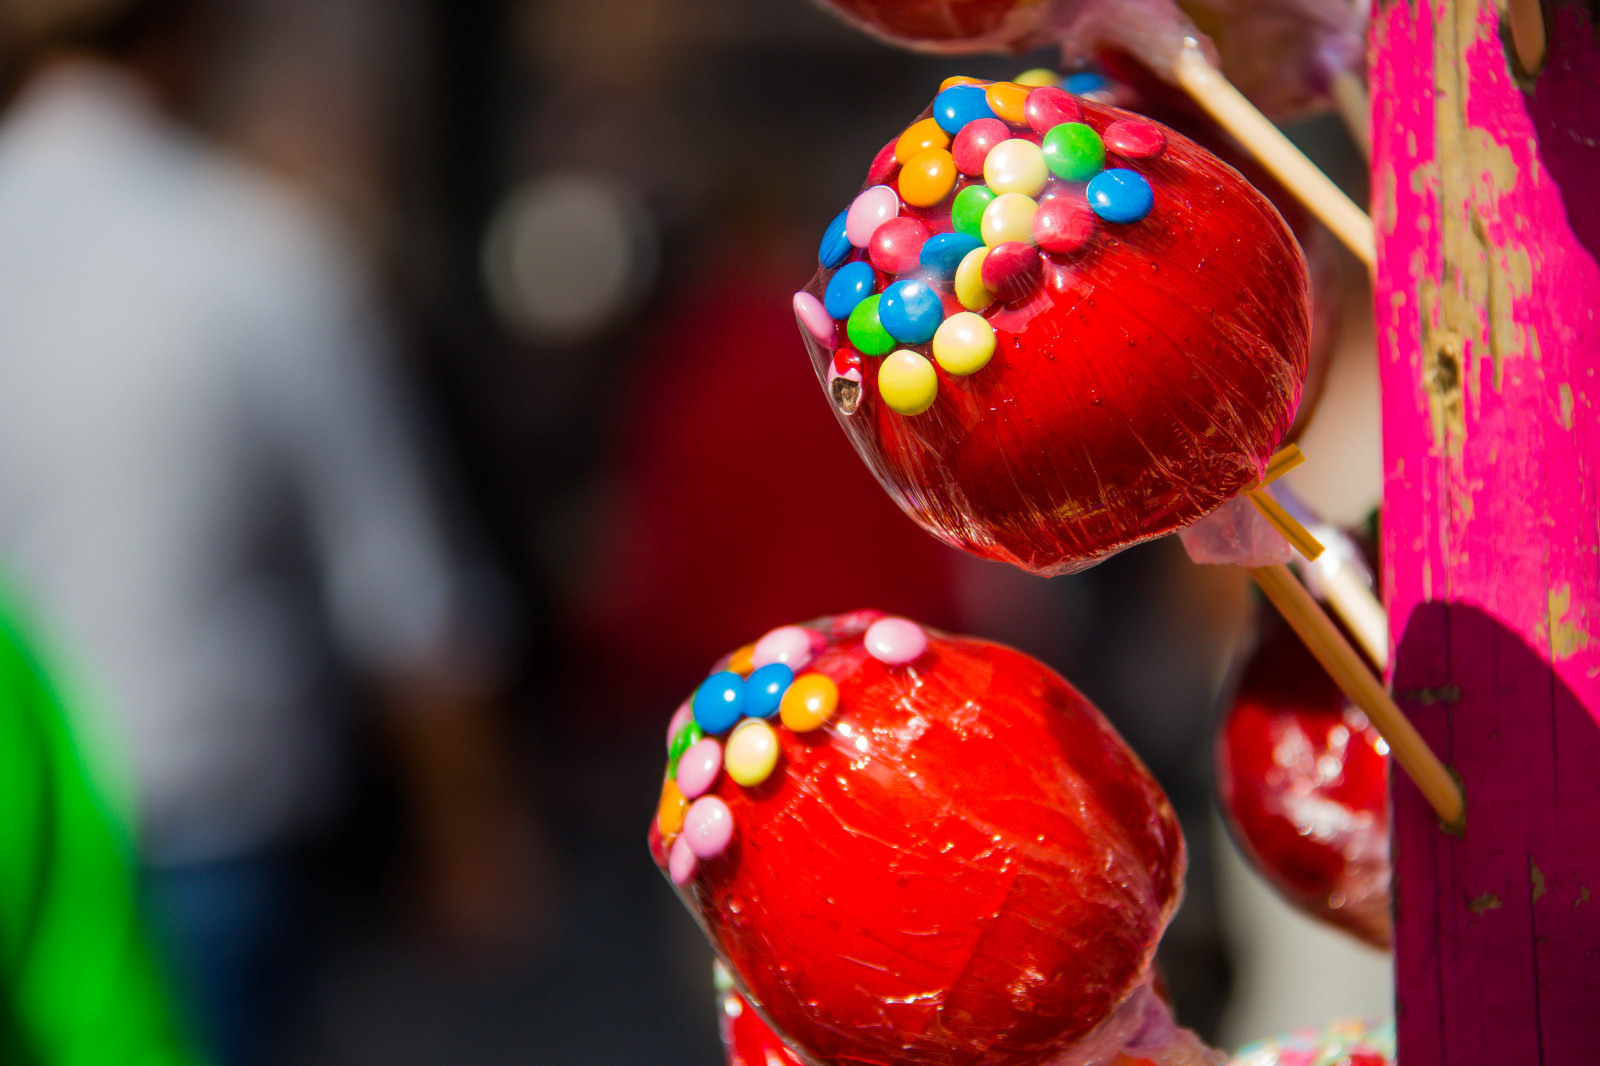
point(952, 859)
point(1092, 332)
point(1304, 786)
point(1342, 1043)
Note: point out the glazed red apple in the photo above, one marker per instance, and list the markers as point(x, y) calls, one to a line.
point(948, 858)
point(749, 1041)
point(953, 25)
point(1119, 355)
point(1304, 786)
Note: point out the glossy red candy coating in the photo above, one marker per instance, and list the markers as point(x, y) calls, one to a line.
point(751, 1041)
point(1304, 786)
point(1063, 224)
point(897, 244)
point(966, 867)
point(1048, 107)
point(951, 25)
point(1144, 383)
point(1012, 269)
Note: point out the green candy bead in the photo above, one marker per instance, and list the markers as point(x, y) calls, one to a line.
point(680, 744)
point(1074, 151)
point(866, 332)
point(966, 213)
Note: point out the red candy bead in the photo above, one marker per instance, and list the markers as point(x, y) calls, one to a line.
point(1048, 107)
point(972, 144)
point(1133, 139)
point(1011, 270)
point(1064, 224)
point(846, 360)
point(884, 164)
point(896, 245)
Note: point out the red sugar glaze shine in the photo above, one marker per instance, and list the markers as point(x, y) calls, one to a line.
point(950, 25)
point(966, 867)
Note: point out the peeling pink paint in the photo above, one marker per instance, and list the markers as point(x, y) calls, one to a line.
point(1487, 204)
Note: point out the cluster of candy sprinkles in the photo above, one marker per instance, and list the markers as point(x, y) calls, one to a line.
point(726, 727)
point(1342, 1043)
point(1025, 178)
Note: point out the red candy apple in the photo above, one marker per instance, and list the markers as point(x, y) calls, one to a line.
point(1304, 785)
point(951, 860)
point(749, 1041)
point(1143, 308)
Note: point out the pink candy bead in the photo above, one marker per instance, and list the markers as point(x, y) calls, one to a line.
point(1049, 107)
point(894, 641)
point(884, 164)
point(708, 827)
point(1133, 139)
point(1011, 270)
point(896, 246)
point(972, 144)
point(871, 209)
point(680, 718)
point(789, 645)
point(698, 767)
point(1063, 224)
point(815, 318)
point(681, 863)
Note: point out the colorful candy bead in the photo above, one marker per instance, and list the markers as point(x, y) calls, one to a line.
point(1048, 107)
point(927, 177)
point(1016, 166)
point(865, 328)
point(764, 690)
point(956, 79)
point(1119, 195)
point(870, 209)
point(669, 812)
point(896, 246)
point(680, 718)
point(682, 741)
point(966, 212)
point(809, 703)
point(884, 164)
point(1084, 82)
point(844, 389)
point(970, 291)
point(835, 245)
point(1073, 151)
point(1036, 77)
point(1133, 139)
point(918, 138)
point(895, 641)
point(907, 382)
point(974, 143)
point(849, 285)
point(911, 311)
point(944, 252)
point(958, 105)
point(1012, 270)
point(718, 702)
point(844, 361)
point(814, 317)
point(1008, 218)
point(964, 344)
point(1063, 224)
point(697, 770)
point(739, 662)
point(1006, 99)
point(789, 645)
point(681, 863)
point(708, 827)
point(752, 752)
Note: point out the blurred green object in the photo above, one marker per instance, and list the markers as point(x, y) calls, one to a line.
point(78, 983)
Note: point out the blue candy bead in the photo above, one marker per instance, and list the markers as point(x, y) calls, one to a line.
point(911, 312)
point(835, 245)
point(1119, 195)
point(853, 283)
point(943, 252)
point(718, 702)
point(959, 105)
point(1085, 81)
point(765, 688)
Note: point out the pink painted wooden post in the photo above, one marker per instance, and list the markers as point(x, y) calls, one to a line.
point(1486, 196)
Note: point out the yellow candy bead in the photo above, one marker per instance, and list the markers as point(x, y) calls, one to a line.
point(809, 702)
point(907, 382)
point(669, 812)
point(964, 343)
point(1016, 166)
point(918, 138)
point(1007, 218)
point(742, 661)
point(970, 291)
point(752, 752)
point(1005, 99)
point(1036, 77)
point(957, 79)
point(927, 178)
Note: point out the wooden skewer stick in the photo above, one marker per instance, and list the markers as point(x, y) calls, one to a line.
point(1435, 781)
point(1355, 109)
point(1358, 609)
point(1283, 460)
point(1276, 152)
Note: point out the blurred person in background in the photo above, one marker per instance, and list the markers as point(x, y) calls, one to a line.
point(211, 490)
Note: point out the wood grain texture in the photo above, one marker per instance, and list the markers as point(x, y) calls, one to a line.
point(1486, 197)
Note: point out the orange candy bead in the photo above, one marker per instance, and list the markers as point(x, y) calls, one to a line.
point(809, 702)
point(957, 79)
point(1005, 99)
point(742, 662)
point(927, 177)
point(670, 811)
point(918, 138)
